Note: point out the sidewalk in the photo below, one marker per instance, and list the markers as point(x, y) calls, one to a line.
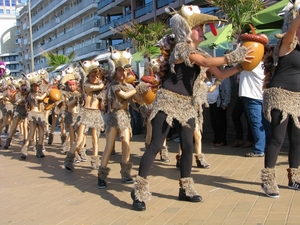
point(39, 191)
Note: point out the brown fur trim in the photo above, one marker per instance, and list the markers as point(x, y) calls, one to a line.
point(141, 189)
point(91, 118)
point(237, 56)
point(268, 178)
point(119, 119)
point(294, 174)
point(103, 172)
point(201, 158)
point(20, 111)
point(69, 161)
point(287, 102)
point(141, 88)
point(38, 118)
point(125, 170)
point(172, 103)
point(95, 162)
point(187, 184)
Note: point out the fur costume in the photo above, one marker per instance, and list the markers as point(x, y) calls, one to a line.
point(118, 117)
point(91, 118)
point(70, 118)
point(287, 102)
point(37, 118)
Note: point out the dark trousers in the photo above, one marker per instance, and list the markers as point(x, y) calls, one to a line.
point(278, 131)
point(237, 111)
point(218, 120)
point(136, 120)
point(160, 129)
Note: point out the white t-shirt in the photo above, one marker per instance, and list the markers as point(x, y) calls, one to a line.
point(251, 83)
point(212, 97)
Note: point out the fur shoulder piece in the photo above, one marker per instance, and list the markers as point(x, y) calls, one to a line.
point(182, 51)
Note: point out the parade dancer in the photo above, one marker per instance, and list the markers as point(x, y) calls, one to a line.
point(89, 115)
point(175, 100)
point(120, 95)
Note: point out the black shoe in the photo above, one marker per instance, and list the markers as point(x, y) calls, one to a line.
point(199, 165)
point(127, 181)
point(5, 146)
point(183, 197)
point(101, 183)
point(22, 156)
point(68, 169)
point(137, 205)
point(294, 185)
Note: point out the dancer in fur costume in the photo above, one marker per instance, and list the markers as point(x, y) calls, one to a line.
point(281, 105)
point(36, 116)
point(20, 112)
point(175, 101)
point(119, 95)
point(90, 114)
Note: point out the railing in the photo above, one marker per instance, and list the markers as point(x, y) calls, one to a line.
point(46, 10)
point(143, 10)
point(67, 16)
point(104, 3)
point(123, 46)
point(88, 49)
point(79, 31)
point(115, 23)
point(162, 3)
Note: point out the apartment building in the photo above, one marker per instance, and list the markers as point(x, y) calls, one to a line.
point(8, 45)
point(58, 26)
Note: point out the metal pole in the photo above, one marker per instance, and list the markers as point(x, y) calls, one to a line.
point(30, 37)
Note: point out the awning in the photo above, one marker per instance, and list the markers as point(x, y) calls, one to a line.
point(220, 41)
point(268, 18)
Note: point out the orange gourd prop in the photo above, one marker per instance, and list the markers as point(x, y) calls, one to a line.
point(257, 42)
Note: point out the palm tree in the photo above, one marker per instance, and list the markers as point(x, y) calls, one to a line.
point(55, 60)
point(144, 37)
point(239, 13)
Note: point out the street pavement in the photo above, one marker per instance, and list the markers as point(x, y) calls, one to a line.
point(39, 191)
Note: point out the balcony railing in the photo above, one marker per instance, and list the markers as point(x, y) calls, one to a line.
point(143, 10)
point(123, 46)
point(79, 31)
point(88, 49)
point(104, 3)
point(46, 10)
point(67, 16)
point(162, 3)
point(115, 23)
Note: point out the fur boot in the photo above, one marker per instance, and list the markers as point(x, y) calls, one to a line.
point(164, 154)
point(39, 151)
point(178, 158)
point(69, 161)
point(7, 144)
point(95, 162)
point(269, 185)
point(24, 152)
point(187, 191)
point(50, 139)
point(66, 147)
point(102, 175)
point(294, 178)
point(63, 139)
point(201, 162)
point(125, 172)
point(141, 193)
point(83, 156)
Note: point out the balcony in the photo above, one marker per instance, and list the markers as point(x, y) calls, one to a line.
point(162, 3)
point(66, 17)
point(46, 10)
point(123, 46)
point(115, 23)
point(104, 3)
point(88, 49)
point(141, 11)
point(74, 34)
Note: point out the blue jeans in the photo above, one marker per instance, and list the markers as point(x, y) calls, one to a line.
point(260, 127)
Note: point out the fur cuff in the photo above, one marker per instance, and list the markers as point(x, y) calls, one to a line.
point(141, 88)
point(268, 178)
point(294, 175)
point(141, 189)
point(103, 172)
point(187, 184)
point(237, 56)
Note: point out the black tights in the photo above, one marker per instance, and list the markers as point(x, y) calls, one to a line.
point(160, 129)
point(278, 131)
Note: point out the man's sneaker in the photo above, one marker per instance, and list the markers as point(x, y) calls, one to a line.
point(252, 154)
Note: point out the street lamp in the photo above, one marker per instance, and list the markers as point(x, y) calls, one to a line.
point(30, 36)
